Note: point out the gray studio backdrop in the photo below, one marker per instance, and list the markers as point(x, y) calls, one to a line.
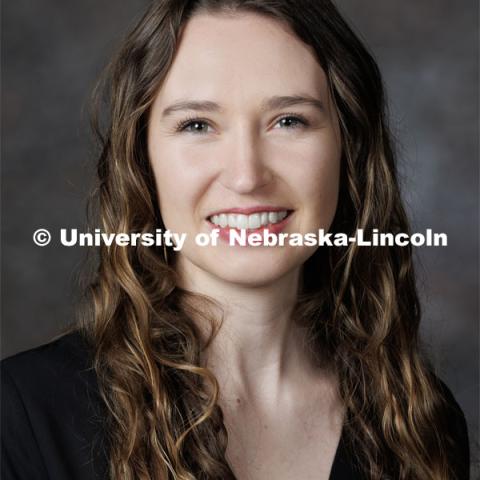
point(427, 49)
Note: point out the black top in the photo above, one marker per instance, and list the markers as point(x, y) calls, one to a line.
point(51, 415)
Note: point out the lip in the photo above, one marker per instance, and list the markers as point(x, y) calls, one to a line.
point(249, 210)
point(273, 228)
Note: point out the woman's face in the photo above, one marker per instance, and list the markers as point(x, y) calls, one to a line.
point(243, 125)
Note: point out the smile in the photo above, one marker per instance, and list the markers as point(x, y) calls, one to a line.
point(252, 221)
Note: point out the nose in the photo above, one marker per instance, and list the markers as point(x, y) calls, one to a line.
point(245, 169)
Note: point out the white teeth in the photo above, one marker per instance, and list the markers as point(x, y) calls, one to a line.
point(273, 217)
point(222, 220)
point(242, 221)
point(253, 221)
point(232, 220)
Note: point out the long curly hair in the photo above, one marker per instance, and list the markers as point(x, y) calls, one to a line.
point(359, 305)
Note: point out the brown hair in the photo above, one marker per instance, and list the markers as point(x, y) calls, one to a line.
point(360, 304)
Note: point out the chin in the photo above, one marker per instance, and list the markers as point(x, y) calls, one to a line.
point(252, 269)
point(249, 279)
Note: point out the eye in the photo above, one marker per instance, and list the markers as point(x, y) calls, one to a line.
point(199, 126)
point(292, 121)
point(193, 125)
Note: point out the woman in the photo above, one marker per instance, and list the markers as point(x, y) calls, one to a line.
point(223, 361)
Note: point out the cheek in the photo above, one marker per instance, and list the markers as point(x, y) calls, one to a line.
point(322, 183)
point(181, 182)
point(313, 170)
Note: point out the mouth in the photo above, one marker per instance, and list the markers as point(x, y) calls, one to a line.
point(251, 221)
point(248, 222)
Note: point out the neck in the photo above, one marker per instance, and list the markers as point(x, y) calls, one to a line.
point(259, 351)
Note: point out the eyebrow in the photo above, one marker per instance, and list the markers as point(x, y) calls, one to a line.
point(273, 103)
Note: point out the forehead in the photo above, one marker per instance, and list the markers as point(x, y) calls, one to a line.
point(241, 55)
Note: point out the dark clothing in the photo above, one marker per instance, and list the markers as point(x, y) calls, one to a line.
point(52, 418)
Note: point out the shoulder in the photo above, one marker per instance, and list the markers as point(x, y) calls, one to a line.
point(51, 374)
point(456, 416)
point(51, 411)
point(455, 424)
point(69, 352)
